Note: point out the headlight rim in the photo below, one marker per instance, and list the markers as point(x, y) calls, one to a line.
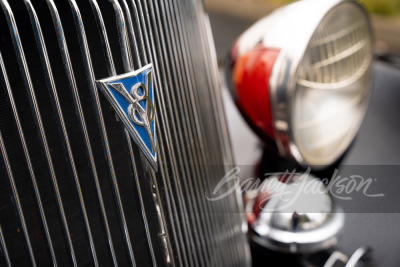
point(282, 88)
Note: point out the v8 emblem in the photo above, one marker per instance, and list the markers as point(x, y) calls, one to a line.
point(132, 97)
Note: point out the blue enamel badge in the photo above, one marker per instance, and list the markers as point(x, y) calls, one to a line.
point(132, 97)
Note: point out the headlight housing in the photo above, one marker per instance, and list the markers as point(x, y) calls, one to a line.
point(302, 77)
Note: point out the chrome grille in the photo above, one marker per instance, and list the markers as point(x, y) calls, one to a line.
point(75, 189)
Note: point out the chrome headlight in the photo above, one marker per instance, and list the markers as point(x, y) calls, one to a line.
point(302, 77)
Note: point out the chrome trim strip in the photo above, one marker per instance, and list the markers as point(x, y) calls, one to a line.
point(136, 178)
point(112, 72)
point(201, 97)
point(176, 230)
point(237, 199)
point(4, 250)
point(207, 42)
point(78, 106)
point(180, 64)
point(28, 161)
point(122, 33)
point(131, 34)
point(138, 28)
point(188, 257)
point(193, 81)
point(94, 92)
point(185, 214)
point(61, 124)
point(104, 38)
point(214, 119)
point(123, 37)
point(185, 157)
point(14, 192)
point(35, 110)
point(193, 147)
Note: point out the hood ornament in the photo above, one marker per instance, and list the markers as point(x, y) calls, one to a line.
point(132, 97)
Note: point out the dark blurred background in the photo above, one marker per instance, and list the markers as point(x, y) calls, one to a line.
point(230, 17)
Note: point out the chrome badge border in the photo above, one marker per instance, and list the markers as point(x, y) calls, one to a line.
point(102, 85)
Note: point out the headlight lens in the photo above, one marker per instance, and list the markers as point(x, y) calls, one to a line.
point(332, 88)
point(302, 77)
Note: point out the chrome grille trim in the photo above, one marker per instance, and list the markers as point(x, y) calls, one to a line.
point(213, 145)
point(29, 163)
point(212, 70)
point(4, 250)
point(178, 73)
point(172, 158)
point(123, 36)
point(195, 125)
point(62, 128)
point(180, 226)
point(185, 158)
point(138, 22)
point(78, 106)
point(104, 37)
point(35, 109)
point(111, 69)
point(145, 50)
point(197, 100)
point(149, 38)
point(93, 89)
point(132, 36)
point(14, 194)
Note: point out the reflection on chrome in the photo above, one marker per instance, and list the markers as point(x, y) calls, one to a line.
point(294, 79)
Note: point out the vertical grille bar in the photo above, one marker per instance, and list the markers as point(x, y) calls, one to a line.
point(28, 161)
point(183, 10)
point(104, 37)
point(91, 79)
point(235, 202)
point(35, 110)
point(227, 156)
point(212, 70)
point(15, 197)
point(78, 106)
point(167, 207)
point(111, 69)
point(176, 231)
point(132, 39)
point(4, 250)
point(182, 135)
point(57, 109)
point(148, 37)
point(123, 36)
point(176, 66)
point(161, 220)
point(189, 226)
point(165, 243)
point(137, 22)
point(198, 125)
